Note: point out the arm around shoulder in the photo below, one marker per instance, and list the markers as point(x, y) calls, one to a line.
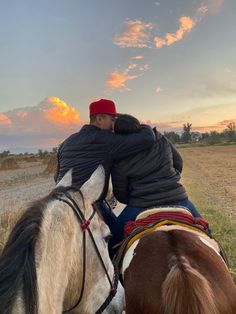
point(128, 144)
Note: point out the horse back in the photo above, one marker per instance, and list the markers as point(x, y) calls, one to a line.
point(179, 261)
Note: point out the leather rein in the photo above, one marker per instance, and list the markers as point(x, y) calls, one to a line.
point(65, 197)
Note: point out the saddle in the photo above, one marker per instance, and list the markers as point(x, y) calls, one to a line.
point(165, 219)
point(167, 216)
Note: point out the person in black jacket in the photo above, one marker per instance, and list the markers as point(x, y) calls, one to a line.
point(95, 144)
point(148, 179)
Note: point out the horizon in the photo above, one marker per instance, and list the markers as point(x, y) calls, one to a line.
point(166, 63)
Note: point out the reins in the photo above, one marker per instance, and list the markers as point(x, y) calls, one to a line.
point(84, 224)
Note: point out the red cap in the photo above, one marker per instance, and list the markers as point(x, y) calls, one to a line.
point(102, 106)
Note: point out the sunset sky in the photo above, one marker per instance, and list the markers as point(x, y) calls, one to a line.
point(167, 62)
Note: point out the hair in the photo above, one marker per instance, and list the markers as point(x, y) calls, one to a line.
point(92, 118)
point(126, 124)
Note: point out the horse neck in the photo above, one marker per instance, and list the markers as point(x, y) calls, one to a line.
point(97, 284)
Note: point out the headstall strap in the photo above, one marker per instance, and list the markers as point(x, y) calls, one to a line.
point(84, 224)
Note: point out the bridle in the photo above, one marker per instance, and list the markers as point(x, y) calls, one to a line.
point(65, 197)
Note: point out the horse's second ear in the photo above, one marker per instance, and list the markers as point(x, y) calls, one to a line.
point(92, 189)
point(66, 179)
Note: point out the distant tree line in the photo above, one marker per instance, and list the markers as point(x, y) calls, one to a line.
point(41, 153)
point(187, 136)
point(213, 137)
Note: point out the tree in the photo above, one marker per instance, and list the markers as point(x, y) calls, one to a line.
point(42, 153)
point(230, 132)
point(55, 149)
point(172, 137)
point(5, 153)
point(231, 127)
point(186, 135)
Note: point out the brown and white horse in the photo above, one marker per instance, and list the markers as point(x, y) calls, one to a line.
point(49, 262)
point(174, 270)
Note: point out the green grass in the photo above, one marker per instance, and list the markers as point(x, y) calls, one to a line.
point(223, 229)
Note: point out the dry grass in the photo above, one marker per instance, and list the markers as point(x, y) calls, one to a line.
point(8, 220)
point(9, 163)
point(51, 165)
point(210, 180)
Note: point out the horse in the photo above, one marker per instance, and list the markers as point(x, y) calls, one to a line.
point(56, 258)
point(174, 269)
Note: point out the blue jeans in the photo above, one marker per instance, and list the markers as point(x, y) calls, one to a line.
point(109, 217)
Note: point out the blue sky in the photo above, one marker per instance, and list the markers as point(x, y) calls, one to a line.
point(168, 62)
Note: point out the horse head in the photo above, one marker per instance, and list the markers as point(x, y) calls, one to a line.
point(56, 258)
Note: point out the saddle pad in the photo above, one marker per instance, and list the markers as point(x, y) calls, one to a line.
point(152, 211)
point(158, 226)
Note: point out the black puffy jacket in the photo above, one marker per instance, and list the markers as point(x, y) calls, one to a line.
point(91, 146)
point(151, 177)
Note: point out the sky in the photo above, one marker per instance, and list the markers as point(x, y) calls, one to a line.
point(167, 62)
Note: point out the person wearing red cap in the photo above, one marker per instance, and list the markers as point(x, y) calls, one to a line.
point(103, 114)
point(95, 144)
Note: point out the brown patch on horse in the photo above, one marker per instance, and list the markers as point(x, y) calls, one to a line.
point(177, 268)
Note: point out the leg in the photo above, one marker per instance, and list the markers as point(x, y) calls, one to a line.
point(108, 216)
point(187, 203)
point(128, 213)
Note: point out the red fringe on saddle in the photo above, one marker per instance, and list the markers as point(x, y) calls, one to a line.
point(200, 223)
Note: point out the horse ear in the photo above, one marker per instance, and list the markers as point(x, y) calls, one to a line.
point(92, 189)
point(66, 180)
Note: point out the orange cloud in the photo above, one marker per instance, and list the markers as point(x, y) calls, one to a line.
point(44, 125)
point(51, 116)
point(4, 119)
point(117, 80)
point(60, 112)
point(186, 24)
point(136, 34)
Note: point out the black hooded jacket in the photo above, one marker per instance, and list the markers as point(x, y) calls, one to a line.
point(85, 150)
point(151, 177)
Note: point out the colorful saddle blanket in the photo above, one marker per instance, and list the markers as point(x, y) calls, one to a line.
point(167, 216)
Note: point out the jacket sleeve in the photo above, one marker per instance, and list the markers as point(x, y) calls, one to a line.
point(177, 159)
point(124, 145)
point(120, 185)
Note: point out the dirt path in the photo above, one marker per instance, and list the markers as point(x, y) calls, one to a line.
point(20, 186)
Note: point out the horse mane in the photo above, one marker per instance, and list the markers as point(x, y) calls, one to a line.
point(17, 261)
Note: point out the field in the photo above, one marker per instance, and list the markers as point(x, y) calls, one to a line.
point(209, 176)
point(210, 179)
